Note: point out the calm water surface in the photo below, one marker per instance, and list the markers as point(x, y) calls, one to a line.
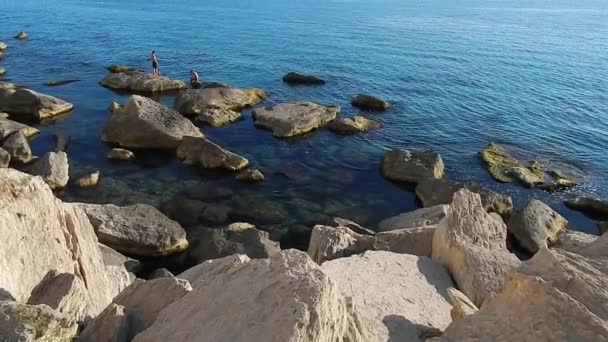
point(532, 75)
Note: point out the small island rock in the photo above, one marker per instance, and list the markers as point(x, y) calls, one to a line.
point(137, 81)
point(354, 125)
point(294, 118)
point(297, 78)
point(120, 154)
point(369, 102)
point(412, 167)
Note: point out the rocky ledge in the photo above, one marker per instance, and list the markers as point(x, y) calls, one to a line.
point(26, 104)
point(138, 81)
point(294, 118)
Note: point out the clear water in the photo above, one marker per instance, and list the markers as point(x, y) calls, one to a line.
point(532, 75)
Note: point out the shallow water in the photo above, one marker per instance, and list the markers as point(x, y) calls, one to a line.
point(532, 75)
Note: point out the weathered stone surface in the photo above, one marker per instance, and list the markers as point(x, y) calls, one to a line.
point(21, 36)
point(354, 125)
point(417, 218)
point(196, 101)
point(297, 78)
point(415, 241)
point(218, 117)
point(30, 105)
point(412, 167)
point(8, 127)
point(138, 229)
point(499, 162)
point(555, 296)
point(588, 204)
point(88, 180)
point(160, 273)
point(119, 278)
point(250, 175)
point(294, 118)
point(355, 227)
point(597, 249)
point(369, 102)
point(400, 297)
point(573, 241)
point(54, 168)
point(471, 243)
point(112, 257)
point(461, 304)
point(120, 154)
point(65, 293)
point(145, 123)
point(536, 226)
point(137, 81)
point(329, 243)
point(110, 326)
point(40, 234)
point(17, 146)
point(213, 268)
point(29, 323)
point(200, 151)
point(432, 192)
point(5, 158)
point(287, 295)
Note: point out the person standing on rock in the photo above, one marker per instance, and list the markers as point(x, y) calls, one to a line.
point(154, 64)
point(195, 83)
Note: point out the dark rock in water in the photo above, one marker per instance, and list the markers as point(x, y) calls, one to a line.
point(183, 210)
point(258, 210)
point(589, 205)
point(294, 172)
point(18, 147)
point(89, 180)
point(294, 118)
point(200, 151)
point(432, 192)
point(560, 181)
point(120, 154)
point(369, 102)
point(216, 214)
point(5, 158)
point(21, 36)
point(118, 68)
point(205, 191)
point(296, 78)
point(536, 226)
point(412, 167)
point(62, 140)
point(206, 85)
point(55, 83)
point(250, 175)
point(354, 125)
point(160, 273)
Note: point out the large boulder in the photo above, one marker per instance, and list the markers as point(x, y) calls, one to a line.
point(197, 101)
point(137, 81)
point(54, 168)
point(588, 204)
point(18, 147)
point(417, 218)
point(217, 117)
point(412, 167)
point(110, 326)
point(27, 104)
point(536, 226)
point(555, 296)
point(145, 123)
point(138, 229)
point(284, 298)
point(369, 102)
point(8, 127)
point(354, 125)
point(294, 118)
point(213, 268)
point(432, 192)
point(63, 292)
point(29, 323)
point(200, 151)
point(301, 79)
point(471, 243)
point(329, 243)
point(414, 241)
point(400, 297)
point(40, 234)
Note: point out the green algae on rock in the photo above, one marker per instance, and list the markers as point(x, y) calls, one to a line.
point(497, 161)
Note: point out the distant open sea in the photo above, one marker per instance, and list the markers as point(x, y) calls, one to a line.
point(531, 75)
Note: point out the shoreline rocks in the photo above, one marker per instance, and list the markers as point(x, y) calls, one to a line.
point(138, 81)
point(89, 180)
point(18, 147)
point(200, 151)
point(430, 216)
point(26, 104)
point(412, 167)
point(354, 125)
point(220, 102)
point(294, 78)
point(536, 226)
point(54, 168)
point(294, 118)
point(368, 102)
point(8, 127)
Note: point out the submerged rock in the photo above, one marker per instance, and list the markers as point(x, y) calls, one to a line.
point(8, 127)
point(217, 117)
point(116, 68)
point(133, 80)
point(589, 205)
point(89, 180)
point(120, 154)
point(296, 78)
point(206, 191)
point(294, 118)
point(536, 226)
point(27, 104)
point(200, 151)
point(21, 36)
point(197, 101)
point(258, 210)
point(54, 168)
point(55, 83)
point(499, 162)
point(62, 141)
point(412, 167)
point(354, 125)
point(418, 218)
point(251, 175)
point(369, 102)
point(183, 210)
point(21, 322)
point(17, 146)
point(145, 123)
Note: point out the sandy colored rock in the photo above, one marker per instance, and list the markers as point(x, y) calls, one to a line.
point(217, 117)
point(18, 147)
point(196, 101)
point(137, 81)
point(138, 229)
point(417, 218)
point(471, 243)
point(461, 304)
point(8, 127)
point(573, 241)
point(329, 243)
point(110, 326)
point(145, 123)
point(54, 168)
point(119, 278)
point(415, 241)
point(5, 158)
point(412, 167)
point(200, 151)
point(287, 295)
point(588, 204)
point(88, 180)
point(294, 118)
point(354, 125)
point(597, 249)
point(301, 79)
point(400, 297)
point(27, 104)
point(161, 273)
point(63, 292)
point(213, 268)
point(29, 323)
point(112, 257)
point(369, 102)
point(21, 36)
point(250, 175)
point(536, 226)
point(120, 154)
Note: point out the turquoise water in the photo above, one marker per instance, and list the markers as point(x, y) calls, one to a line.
point(532, 75)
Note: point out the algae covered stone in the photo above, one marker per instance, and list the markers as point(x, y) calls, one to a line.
point(21, 322)
point(498, 161)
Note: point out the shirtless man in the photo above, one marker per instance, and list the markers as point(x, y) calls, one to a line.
point(154, 64)
point(194, 80)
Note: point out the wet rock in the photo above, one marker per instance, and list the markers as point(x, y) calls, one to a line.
point(120, 154)
point(354, 125)
point(26, 104)
point(137, 81)
point(8, 127)
point(111, 326)
point(63, 292)
point(196, 101)
point(21, 322)
point(17, 146)
point(250, 175)
point(329, 243)
point(89, 180)
point(217, 117)
point(54, 168)
point(412, 167)
point(115, 68)
point(471, 244)
point(216, 213)
point(200, 151)
point(573, 241)
point(369, 102)
point(417, 218)
point(414, 290)
point(21, 36)
point(499, 162)
point(205, 191)
point(461, 304)
point(138, 229)
point(5, 158)
point(183, 210)
point(528, 176)
point(160, 273)
point(560, 181)
point(294, 118)
point(296, 78)
point(55, 83)
point(214, 85)
point(258, 210)
point(432, 192)
point(589, 205)
point(112, 257)
point(414, 241)
point(536, 226)
point(290, 282)
point(145, 123)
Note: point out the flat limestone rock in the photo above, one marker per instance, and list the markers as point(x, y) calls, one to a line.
point(414, 241)
point(400, 297)
point(412, 167)
point(200, 151)
point(472, 245)
point(145, 123)
point(301, 79)
point(329, 243)
point(137, 81)
point(27, 104)
point(197, 101)
point(354, 125)
point(21, 322)
point(217, 117)
point(8, 127)
point(110, 326)
point(54, 168)
point(294, 118)
point(63, 292)
point(213, 268)
point(417, 218)
point(286, 297)
point(536, 226)
point(138, 229)
point(369, 102)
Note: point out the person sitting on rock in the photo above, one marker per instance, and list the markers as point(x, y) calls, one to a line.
point(194, 80)
point(154, 64)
